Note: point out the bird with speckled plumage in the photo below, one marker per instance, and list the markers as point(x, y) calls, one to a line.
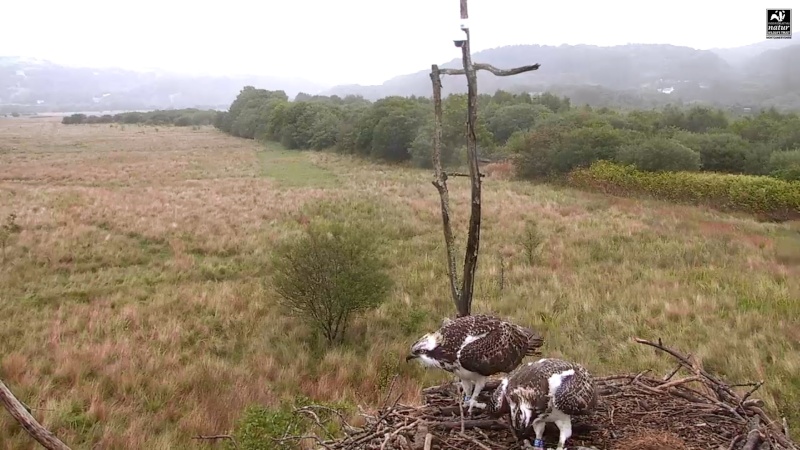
point(547, 390)
point(475, 347)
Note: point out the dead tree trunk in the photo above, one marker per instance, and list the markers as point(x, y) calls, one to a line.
point(462, 295)
point(28, 422)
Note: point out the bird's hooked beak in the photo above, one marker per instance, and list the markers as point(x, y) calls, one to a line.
point(410, 357)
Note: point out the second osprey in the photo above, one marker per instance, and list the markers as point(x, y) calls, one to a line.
point(475, 347)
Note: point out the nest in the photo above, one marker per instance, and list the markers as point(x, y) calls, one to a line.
point(690, 410)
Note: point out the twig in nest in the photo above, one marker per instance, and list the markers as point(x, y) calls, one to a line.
point(755, 387)
point(428, 441)
point(389, 391)
point(474, 441)
point(300, 438)
point(217, 437)
point(686, 363)
point(673, 383)
point(672, 374)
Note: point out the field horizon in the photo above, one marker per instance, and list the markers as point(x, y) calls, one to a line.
point(136, 310)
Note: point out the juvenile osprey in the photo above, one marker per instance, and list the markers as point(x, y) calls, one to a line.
point(548, 390)
point(475, 347)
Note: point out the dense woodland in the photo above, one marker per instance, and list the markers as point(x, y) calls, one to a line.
point(545, 134)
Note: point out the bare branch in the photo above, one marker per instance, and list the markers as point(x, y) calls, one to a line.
point(18, 411)
point(460, 174)
point(494, 70)
point(474, 230)
point(441, 186)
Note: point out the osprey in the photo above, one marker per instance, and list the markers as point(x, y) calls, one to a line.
point(548, 390)
point(473, 348)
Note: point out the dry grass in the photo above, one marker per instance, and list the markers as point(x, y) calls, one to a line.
point(133, 312)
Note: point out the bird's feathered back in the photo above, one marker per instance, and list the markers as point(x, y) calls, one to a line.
point(479, 343)
point(543, 385)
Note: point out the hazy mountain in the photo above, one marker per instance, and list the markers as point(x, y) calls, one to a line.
point(737, 56)
point(635, 74)
point(29, 85)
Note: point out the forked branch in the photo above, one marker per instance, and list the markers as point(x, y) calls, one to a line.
point(462, 292)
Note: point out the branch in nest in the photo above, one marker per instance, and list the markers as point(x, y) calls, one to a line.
point(494, 70)
point(300, 438)
point(696, 370)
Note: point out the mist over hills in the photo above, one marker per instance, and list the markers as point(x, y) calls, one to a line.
point(634, 75)
point(33, 85)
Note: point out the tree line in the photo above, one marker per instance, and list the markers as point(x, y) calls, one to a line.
point(544, 134)
point(548, 138)
point(177, 117)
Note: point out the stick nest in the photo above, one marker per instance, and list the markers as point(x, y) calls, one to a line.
point(694, 410)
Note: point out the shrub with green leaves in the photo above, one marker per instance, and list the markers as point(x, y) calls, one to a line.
point(719, 152)
point(659, 154)
point(785, 165)
point(262, 427)
point(330, 274)
point(765, 197)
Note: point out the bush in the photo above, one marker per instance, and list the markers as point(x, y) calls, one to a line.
point(329, 275)
point(580, 147)
point(660, 154)
point(183, 121)
point(765, 197)
point(785, 165)
point(719, 152)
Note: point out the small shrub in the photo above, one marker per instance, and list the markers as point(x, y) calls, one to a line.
point(785, 165)
point(532, 242)
point(7, 231)
point(765, 197)
point(262, 427)
point(660, 154)
point(329, 275)
point(500, 170)
point(183, 121)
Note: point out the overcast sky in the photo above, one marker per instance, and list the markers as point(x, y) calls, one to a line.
point(351, 41)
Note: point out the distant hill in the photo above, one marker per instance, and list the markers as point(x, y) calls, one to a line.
point(636, 74)
point(32, 85)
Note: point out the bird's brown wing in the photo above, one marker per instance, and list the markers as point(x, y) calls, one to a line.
point(577, 394)
point(500, 350)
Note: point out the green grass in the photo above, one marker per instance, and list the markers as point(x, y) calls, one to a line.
point(294, 168)
point(136, 310)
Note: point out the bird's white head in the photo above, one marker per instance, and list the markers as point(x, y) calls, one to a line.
point(425, 345)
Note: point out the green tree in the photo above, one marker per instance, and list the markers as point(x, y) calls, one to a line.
point(660, 154)
point(329, 275)
point(519, 117)
point(719, 152)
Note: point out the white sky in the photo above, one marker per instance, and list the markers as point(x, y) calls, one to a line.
point(351, 41)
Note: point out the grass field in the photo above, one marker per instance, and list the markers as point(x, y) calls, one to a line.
point(134, 311)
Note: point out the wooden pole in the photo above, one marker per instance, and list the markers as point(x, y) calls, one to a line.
point(463, 294)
